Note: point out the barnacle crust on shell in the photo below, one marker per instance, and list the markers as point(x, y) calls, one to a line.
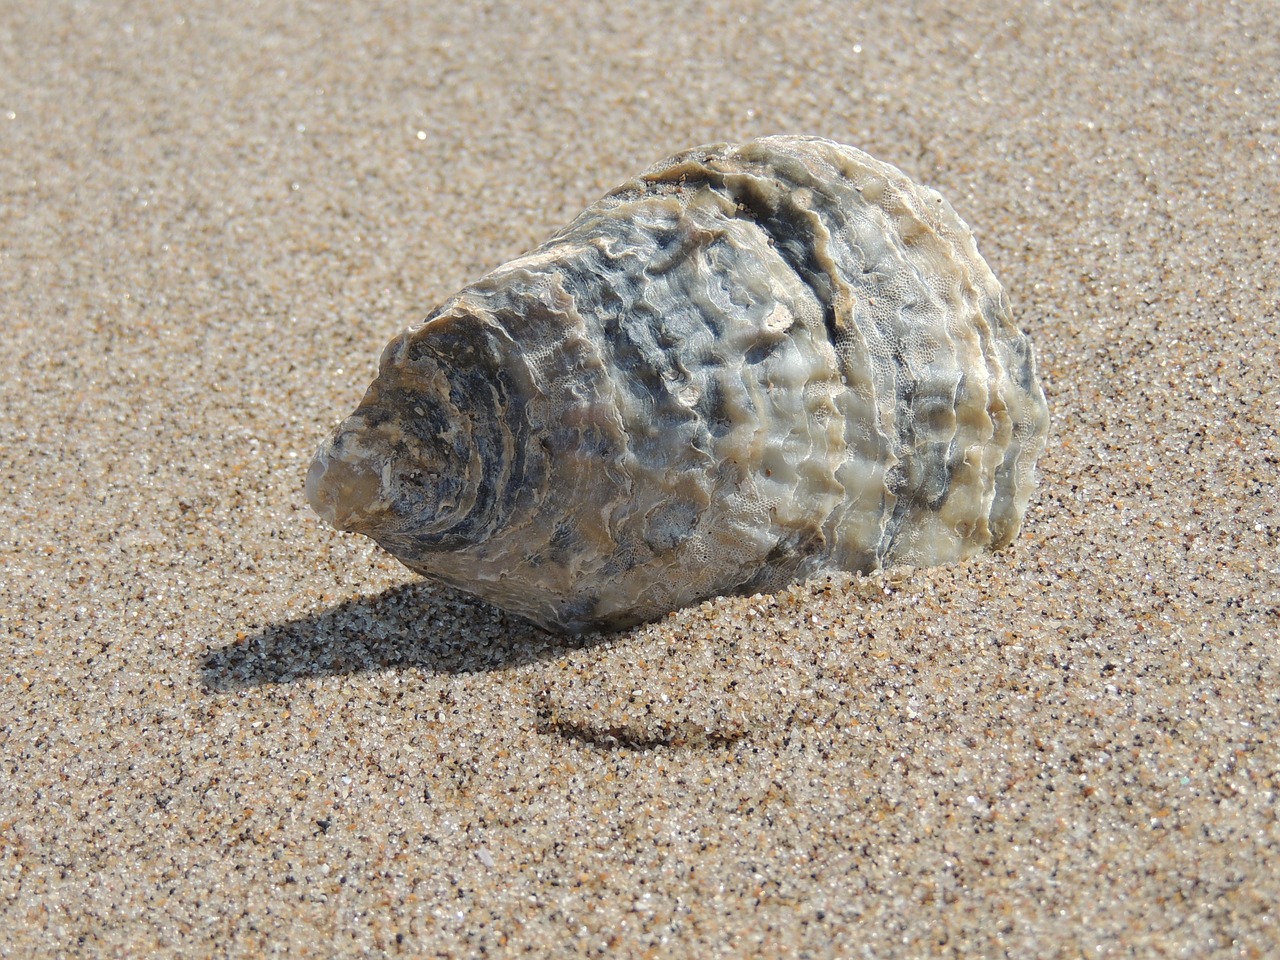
point(750, 364)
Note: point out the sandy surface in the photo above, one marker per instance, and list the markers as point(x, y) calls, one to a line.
point(228, 730)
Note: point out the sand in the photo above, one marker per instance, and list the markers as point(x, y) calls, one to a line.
point(230, 731)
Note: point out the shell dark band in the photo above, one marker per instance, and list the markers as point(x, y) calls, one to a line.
point(748, 365)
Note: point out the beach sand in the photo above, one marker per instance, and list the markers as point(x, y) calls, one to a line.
point(230, 731)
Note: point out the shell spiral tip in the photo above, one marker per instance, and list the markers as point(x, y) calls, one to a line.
point(341, 492)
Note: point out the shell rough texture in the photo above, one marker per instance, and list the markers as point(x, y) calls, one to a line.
point(748, 365)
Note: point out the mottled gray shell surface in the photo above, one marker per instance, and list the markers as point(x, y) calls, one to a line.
point(750, 364)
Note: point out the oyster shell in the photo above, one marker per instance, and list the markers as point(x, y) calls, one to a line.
point(750, 364)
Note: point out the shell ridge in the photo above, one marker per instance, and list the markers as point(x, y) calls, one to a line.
point(928, 356)
point(758, 198)
point(627, 333)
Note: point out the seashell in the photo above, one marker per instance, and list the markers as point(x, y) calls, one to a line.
point(748, 365)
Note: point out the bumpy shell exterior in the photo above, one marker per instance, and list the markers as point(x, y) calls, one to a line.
point(748, 365)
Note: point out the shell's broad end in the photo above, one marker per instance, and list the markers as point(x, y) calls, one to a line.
point(748, 365)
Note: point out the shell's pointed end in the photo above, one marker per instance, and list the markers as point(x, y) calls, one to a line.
point(343, 493)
